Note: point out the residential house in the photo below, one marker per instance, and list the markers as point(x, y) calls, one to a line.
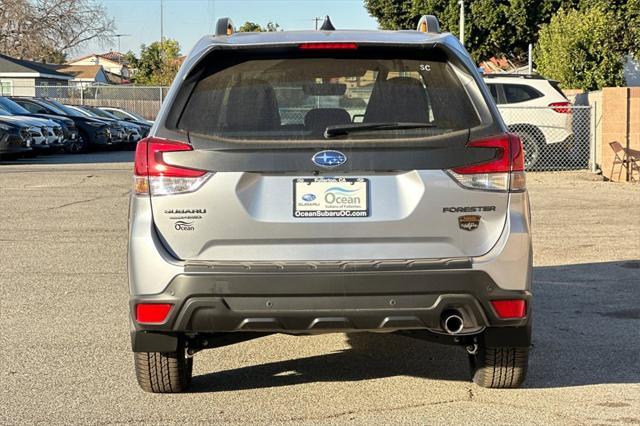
point(83, 75)
point(112, 62)
point(19, 77)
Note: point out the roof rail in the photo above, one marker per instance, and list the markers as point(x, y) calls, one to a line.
point(327, 25)
point(512, 75)
point(224, 27)
point(428, 24)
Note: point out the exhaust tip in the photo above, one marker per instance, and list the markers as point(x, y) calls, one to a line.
point(452, 322)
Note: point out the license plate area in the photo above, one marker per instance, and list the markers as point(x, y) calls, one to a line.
point(331, 197)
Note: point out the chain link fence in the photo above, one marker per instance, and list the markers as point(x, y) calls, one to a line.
point(143, 100)
point(554, 138)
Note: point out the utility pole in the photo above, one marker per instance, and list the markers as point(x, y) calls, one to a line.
point(119, 36)
point(161, 21)
point(317, 20)
point(461, 3)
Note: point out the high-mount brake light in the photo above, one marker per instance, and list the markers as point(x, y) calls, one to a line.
point(504, 172)
point(152, 175)
point(328, 46)
point(561, 107)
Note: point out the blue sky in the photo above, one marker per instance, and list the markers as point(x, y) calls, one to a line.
point(188, 20)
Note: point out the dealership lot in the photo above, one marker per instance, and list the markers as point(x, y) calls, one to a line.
point(65, 347)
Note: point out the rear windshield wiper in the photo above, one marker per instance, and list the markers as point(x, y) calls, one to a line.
point(345, 129)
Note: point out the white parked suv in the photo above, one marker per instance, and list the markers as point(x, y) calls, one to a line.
point(535, 109)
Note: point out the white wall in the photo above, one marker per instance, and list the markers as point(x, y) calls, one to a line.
point(110, 66)
point(21, 86)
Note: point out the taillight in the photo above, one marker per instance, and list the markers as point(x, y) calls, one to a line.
point(328, 46)
point(153, 176)
point(561, 107)
point(152, 313)
point(504, 172)
point(510, 309)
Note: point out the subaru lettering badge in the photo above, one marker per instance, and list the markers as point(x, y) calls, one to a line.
point(329, 158)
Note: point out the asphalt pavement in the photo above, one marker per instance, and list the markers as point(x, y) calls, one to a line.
point(64, 333)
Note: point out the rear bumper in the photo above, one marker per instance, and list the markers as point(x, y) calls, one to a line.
point(328, 296)
point(317, 302)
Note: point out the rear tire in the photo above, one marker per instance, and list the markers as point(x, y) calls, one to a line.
point(533, 149)
point(499, 367)
point(164, 372)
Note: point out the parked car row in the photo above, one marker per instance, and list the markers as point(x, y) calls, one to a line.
point(33, 126)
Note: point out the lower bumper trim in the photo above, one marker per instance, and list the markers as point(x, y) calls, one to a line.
point(308, 303)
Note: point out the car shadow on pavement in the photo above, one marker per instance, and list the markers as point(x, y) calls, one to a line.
point(586, 322)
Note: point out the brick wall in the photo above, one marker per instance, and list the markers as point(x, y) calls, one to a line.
point(621, 123)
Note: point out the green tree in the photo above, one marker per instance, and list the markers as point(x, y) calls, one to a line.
point(158, 63)
point(579, 48)
point(632, 18)
point(393, 14)
point(492, 27)
point(250, 27)
point(497, 27)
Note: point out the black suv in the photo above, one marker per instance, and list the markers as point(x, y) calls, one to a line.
point(91, 132)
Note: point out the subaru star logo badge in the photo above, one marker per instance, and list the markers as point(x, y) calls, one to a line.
point(329, 158)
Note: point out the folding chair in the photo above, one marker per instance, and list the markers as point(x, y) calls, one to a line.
point(627, 159)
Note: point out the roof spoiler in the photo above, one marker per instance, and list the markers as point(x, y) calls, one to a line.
point(428, 24)
point(224, 27)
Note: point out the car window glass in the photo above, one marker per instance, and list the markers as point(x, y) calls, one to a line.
point(118, 114)
point(136, 116)
point(493, 89)
point(12, 107)
point(102, 113)
point(33, 108)
point(298, 98)
point(515, 93)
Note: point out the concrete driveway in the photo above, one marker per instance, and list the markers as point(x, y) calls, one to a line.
point(65, 356)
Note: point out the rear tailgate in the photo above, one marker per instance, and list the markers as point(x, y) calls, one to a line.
point(269, 193)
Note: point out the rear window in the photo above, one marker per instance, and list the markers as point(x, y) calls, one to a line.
point(515, 93)
point(254, 97)
point(557, 88)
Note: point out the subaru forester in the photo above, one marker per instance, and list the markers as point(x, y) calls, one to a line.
point(309, 182)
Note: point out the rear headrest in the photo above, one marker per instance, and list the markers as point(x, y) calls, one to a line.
point(402, 99)
point(252, 105)
point(318, 119)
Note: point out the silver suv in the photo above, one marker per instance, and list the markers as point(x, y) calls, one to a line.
point(329, 181)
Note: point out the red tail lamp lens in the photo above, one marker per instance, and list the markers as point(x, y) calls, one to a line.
point(509, 155)
point(561, 107)
point(510, 309)
point(328, 46)
point(152, 313)
point(149, 162)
